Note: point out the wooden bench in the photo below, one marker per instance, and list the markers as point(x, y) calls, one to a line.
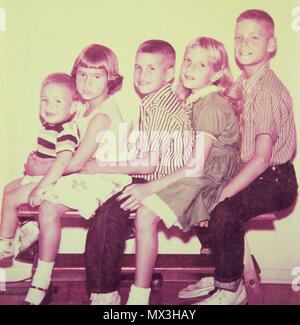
point(72, 265)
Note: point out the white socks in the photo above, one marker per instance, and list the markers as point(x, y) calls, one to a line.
point(111, 298)
point(138, 296)
point(41, 279)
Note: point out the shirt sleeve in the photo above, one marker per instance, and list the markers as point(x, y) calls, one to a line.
point(210, 120)
point(264, 116)
point(68, 138)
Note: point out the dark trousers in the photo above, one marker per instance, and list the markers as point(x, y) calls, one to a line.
point(274, 190)
point(105, 245)
point(203, 235)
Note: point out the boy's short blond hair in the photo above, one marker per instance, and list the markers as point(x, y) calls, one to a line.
point(262, 17)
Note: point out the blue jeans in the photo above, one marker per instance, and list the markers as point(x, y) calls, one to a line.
point(105, 243)
point(274, 190)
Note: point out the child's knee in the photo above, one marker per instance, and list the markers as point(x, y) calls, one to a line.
point(225, 219)
point(145, 219)
point(48, 212)
point(9, 199)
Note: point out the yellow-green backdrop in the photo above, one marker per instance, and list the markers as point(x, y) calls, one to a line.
point(45, 36)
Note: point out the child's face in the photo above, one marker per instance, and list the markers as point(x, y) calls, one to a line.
point(91, 83)
point(252, 43)
point(151, 72)
point(55, 103)
point(196, 70)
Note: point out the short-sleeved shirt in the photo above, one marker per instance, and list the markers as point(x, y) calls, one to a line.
point(162, 125)
point(268, 109)
point(216, 117)
point(53, 139)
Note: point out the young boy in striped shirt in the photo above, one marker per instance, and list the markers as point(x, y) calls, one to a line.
point(57, 141)
point(267, 182)
point(162, 124)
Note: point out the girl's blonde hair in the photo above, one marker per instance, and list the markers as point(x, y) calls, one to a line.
point(96, 56)
point(218, 57)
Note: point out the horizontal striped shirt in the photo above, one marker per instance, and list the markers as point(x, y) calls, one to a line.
point(162, 126)
point(53, 139)
point(268, 109)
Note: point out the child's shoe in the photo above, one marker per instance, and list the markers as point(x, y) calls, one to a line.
point(29, 234)
point(198, 289)
point(46, 293)
point(6, 252)
point(226, 297)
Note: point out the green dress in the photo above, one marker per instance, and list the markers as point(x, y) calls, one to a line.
point(191, 198)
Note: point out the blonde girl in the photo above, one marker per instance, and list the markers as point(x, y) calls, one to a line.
point(187, 196)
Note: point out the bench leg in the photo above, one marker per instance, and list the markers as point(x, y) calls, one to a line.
point(251, 280)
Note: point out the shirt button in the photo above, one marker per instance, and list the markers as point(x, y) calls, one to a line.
point(273, 168)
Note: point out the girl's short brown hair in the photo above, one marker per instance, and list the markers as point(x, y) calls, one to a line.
point(96, 56)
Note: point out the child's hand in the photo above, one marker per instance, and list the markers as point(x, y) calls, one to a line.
point(30, 163)
point(135, 194)
point(35, 197)
point(203, 224)
point(222, 197)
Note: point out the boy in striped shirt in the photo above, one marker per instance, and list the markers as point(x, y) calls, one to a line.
point(267, 182)
point(162, 124)
point(57, 142)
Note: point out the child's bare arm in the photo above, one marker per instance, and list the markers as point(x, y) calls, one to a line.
point(89, 144)
point(195, 168)
point(255, 167)
point(144, 165)
point(86, 149)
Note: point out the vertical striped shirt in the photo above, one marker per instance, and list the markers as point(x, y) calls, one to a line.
point(162, 126)
point(53, 139)
point(268, 109)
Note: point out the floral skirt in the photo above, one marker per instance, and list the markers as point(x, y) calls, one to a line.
point(83, 192)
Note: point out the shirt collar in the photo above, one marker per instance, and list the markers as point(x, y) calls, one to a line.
point(147, 101)
point(201, 93)
point(248, 84)
point(58, 126)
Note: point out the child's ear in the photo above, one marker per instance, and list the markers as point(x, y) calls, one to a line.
point(216, 76)
point(73, 108)
point(170, 73)
point(272, 44)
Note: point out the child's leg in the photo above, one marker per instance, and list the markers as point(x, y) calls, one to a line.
point(204, 237)
point(50, 233)
point(146, 254)
point(50, 229)
point(14, 195)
